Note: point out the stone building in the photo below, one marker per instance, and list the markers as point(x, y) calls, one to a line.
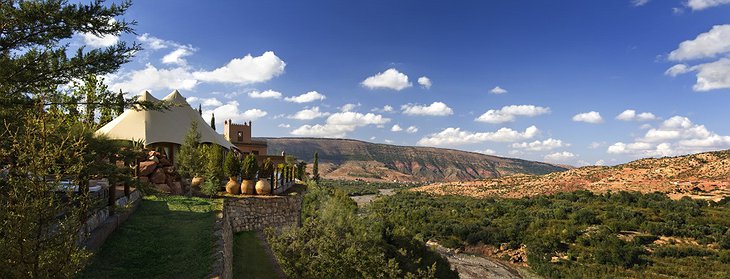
point(240, 136)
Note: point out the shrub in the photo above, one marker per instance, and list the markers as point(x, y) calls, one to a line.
point(232, 166)
point(250, 167)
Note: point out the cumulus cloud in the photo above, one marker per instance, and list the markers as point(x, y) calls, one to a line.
point(548, 144)
point(706, 45)
point(310, 96)
point(151, 78)
point(509, 113)
point(558, 157)
point(677, 70)
point(498, 90)
point(385, 108)
point(99, 42)
point(205, 102)
point(631, 115)
point(396, 128)
point(412, 129)
point(246, 70)
point(425, 82)
point(592, 117)
point(309, 114)
point(341, 123)
point(714, 75)
point(349, 107)
point(435, 109)
point(231, 111)
point(154, 43)
point(675, 136)
point(455, 136)
point(704, 4)
point(268, 94)
point(390, 79)
point(177, 57)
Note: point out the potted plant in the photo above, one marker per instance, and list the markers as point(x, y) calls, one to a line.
point(250, 168)
point(263, 186)
point(232, 168)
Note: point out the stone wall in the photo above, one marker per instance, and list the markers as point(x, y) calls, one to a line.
point(257, 213)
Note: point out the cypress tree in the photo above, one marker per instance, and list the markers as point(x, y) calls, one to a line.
point(212, 121)
point(200, 109)
point(315, 167)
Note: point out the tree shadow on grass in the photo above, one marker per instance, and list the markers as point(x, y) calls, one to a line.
point(167, 237)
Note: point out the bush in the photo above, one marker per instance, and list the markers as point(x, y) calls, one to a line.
point(232, 166)
point(211, 186)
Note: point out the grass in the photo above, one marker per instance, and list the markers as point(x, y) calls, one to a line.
point(249, 258)
point(167, 237)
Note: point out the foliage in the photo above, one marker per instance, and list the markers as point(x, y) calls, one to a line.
point(359, 188)
point(315, 167)
point(250, 167)
point(364, 249)
point(301, 170)
point(214, 161)
point(268, 169)
point(232, 166)
point(168, 237)
point(212, 121)
point(190, 161)
point(210, 186)
point(592, 235)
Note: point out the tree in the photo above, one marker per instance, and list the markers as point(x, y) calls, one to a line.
point(250, 167)
point(190, 159)
point(212, 121)
point(213, 162)
point(301, 170)
point(200, 109)
point(232, 166)
point(42, 141)
point(315, 167)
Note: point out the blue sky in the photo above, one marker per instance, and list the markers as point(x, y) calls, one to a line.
point(525, 79)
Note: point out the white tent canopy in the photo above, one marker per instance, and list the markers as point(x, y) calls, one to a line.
point(161, 126)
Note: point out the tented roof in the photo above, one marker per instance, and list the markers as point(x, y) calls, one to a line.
point(161, 126)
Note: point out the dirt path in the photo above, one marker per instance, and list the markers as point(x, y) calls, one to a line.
point(366, 199)
point(474, 267)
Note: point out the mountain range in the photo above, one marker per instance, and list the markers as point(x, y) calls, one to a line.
point(359, 160)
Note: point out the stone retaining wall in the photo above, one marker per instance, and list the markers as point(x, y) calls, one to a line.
point(257, 213)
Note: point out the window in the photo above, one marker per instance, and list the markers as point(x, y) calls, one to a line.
point(240, 136)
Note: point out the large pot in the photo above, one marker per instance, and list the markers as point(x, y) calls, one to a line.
point(232, 186)
point(247, 187)
point(263, 187)
point(197, 181)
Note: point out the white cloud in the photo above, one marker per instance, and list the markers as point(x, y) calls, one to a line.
point(509, 113)
point(639, 2)
point(705, 45)
point(265, 94)
point(390, 79)
point(486, 151)
point(246, 70)
point(435, 109)
point(282, 125)
point(177, 56)
point(206, 102)
point(231, 111)
point(104, 41)
point(385, 108)
point(309, 114)
point(412, 130)
point(631, 115)
point(548, 144)
point(588, 117)
point(675, 136)
point(396, 128)
point(154, 43)
point(600, 163)
point(99, 42)
point(714, 75)
point(455, 136)
point(152, 78)
point(559, 156)
point(310, 96)
point(349, 107)
point(677, 70)
point(704, 4)
point(341, 123)
point(498, 90)
point(425, 82)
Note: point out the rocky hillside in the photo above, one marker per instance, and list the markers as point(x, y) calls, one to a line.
point(703, 175)
point(353, 159)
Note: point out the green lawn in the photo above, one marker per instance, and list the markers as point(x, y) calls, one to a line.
point(249, 258)
point(167, 237)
